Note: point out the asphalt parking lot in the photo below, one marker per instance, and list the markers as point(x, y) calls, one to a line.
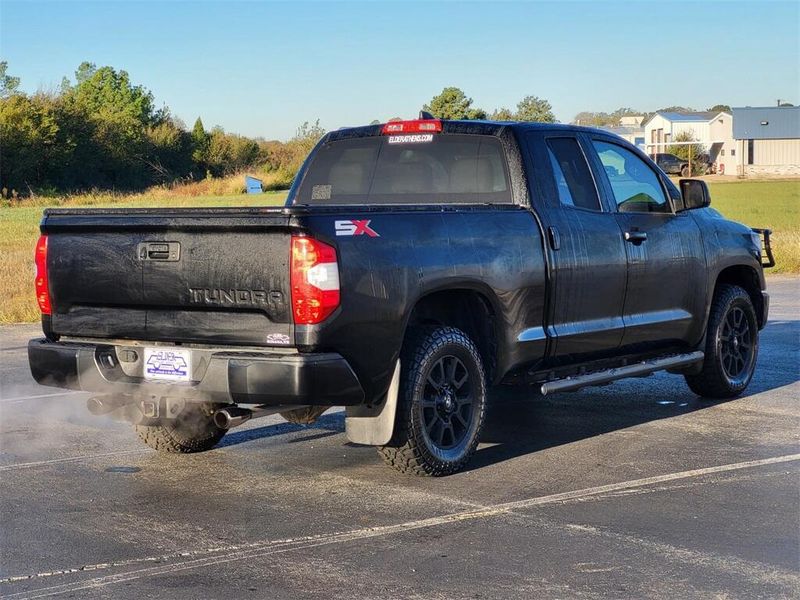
point(632, 490)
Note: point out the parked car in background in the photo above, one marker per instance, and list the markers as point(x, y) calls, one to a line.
point(675, 165)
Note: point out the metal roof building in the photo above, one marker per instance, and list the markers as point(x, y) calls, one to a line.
point(769, 123)
point(711, 129)
point(768, 139)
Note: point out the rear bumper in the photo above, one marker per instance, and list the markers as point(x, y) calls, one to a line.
point(222, 375)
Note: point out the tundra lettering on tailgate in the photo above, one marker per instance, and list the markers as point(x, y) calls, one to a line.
point(218, 296)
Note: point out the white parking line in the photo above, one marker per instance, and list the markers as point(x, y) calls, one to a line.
point(54, 461)
point(21, 398)
point(191, 560)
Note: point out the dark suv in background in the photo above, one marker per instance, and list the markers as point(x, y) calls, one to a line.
point(675, 165)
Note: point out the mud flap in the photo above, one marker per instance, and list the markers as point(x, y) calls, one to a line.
point(374, 426)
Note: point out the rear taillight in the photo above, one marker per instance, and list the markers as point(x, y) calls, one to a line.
point(314, 279)
point(417, 126)
point(42, 287)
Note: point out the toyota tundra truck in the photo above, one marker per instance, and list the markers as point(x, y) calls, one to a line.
point(415, 265)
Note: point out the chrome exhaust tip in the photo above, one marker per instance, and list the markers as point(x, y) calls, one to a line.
point(233, 416)
point(102, 405)
point(228, 418)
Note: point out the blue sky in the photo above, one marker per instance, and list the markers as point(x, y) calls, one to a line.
point(261, 68)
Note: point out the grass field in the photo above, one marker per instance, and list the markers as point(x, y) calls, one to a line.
point(19, 229)
point(772, 204)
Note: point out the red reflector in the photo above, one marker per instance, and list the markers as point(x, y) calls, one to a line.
point(42, 287)
point(314, 280)
point(418, 126)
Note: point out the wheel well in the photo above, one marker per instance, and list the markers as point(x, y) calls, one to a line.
point(467, 310)
point(746, 278)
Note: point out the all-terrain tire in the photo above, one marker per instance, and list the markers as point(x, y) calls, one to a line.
point(731, 346)
point(191, 431)
point(438, 421)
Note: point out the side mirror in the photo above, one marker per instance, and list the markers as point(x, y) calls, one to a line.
point(695, 194)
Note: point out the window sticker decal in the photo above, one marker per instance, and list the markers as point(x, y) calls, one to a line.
point(418, 138)
point(321, 192)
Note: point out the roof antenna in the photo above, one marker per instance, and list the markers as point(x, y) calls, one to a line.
point(423, 114)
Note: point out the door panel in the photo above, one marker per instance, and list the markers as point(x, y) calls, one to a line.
point(665, 278)
point(666, 261)
point(586, 253)
point(589, 290)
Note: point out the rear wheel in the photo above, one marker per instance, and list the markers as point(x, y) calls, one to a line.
point(441, 403)
point(685, 172)
point(191, 431)
point(731, 346)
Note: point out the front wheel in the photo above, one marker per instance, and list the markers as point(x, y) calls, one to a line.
point(731, 346)
point(441, 404)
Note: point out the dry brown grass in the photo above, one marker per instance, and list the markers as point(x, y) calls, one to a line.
point(221, 186)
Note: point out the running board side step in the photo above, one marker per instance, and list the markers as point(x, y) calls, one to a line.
point(639, 369)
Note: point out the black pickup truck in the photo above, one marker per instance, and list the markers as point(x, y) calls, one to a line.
point(414, 265)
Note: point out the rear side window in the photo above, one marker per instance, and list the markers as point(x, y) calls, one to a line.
point(636, 186)
point(572, 175)
point(441, 169)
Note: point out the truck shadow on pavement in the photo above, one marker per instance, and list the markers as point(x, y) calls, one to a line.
point(520, 421)
point(330, 424)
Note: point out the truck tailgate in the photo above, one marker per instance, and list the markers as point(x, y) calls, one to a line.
point(190, 275)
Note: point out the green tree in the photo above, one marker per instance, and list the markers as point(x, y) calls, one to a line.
point(8, 84)
point(200, 141)
point(28, 135)
point(594, 119)
point(119, 114)
point(502, 114)
point(535, 109)
point(604, 119)
point(307, 136)
point(686, 151)
point(676, 109)
point(104, 131)
point(720, 108)
point(452, 103)
point(169, 151)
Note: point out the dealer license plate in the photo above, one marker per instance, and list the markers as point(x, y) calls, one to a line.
point(173, 364)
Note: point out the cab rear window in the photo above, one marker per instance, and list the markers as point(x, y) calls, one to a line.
point(407, 169)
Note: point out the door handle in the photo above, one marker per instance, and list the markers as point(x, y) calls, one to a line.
point(166, 251)
point(635, 237)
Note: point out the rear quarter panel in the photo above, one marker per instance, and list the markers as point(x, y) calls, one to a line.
point(495, 251)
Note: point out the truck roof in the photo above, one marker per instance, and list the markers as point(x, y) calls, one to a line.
point(484, 127)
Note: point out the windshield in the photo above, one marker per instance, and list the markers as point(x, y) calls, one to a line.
point(407, 169)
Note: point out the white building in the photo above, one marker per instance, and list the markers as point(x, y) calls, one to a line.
point(631, 121)
point(767, 140)
point(711, 129)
